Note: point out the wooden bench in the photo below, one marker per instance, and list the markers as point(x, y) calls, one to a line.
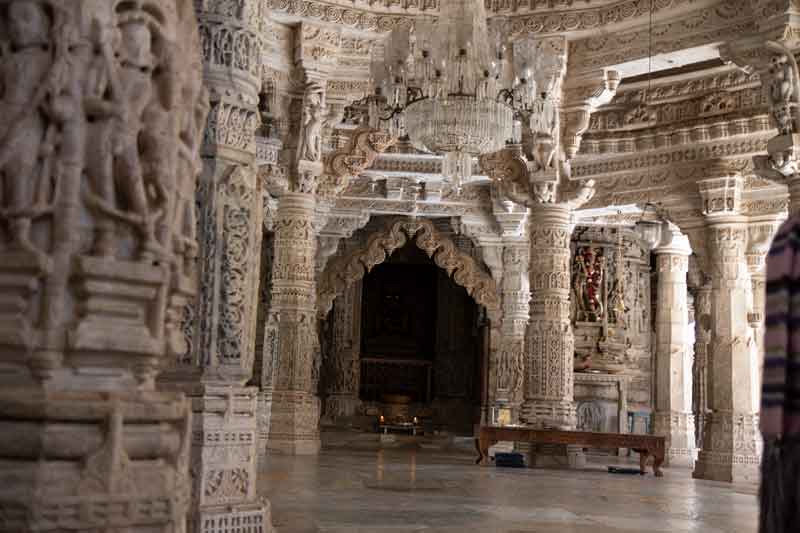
point(645, 445)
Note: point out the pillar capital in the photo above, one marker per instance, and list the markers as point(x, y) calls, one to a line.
point(721, 193)
point(674, 243)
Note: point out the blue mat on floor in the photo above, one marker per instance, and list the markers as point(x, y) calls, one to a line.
point(623, 470)
point(509, 460)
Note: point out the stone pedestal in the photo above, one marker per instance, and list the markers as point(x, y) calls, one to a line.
point(550, 344)
point(92, 266)
point(294, 422)
point(673, 416)
point(224, 456)
point(731, 442)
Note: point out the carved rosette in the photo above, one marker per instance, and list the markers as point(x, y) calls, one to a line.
point(103, 110)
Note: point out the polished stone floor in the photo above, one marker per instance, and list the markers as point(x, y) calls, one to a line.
point(407, 490)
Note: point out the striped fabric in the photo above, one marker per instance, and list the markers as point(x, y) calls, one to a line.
point(780, 400)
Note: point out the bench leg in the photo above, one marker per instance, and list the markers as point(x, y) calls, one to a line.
point(482, 445)
point(658, 460)
point(643, 454)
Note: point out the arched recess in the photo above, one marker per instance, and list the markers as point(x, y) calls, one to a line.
point(465, 271)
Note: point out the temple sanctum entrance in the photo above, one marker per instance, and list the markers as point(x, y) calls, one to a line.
point(422, 346)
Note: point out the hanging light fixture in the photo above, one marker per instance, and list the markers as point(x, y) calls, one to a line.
point(446, 87)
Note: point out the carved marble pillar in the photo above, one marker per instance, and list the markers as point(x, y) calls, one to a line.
point(219, 358)
point(94, 269)
point(702, 338)
point(673, 403)
point(508, 369)
point(731, 443)
point(550, 343)
point(341, 367)
point(292, 377)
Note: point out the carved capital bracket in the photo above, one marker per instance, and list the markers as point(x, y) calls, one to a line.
point(673, 242)
point(759, 238)
point(516, 181)
point(366, 144)
point(722, 194)
point(580, 102)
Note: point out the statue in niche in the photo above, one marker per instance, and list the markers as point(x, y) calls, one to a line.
point(313, 120)
point(29, 74)
point(587, 283)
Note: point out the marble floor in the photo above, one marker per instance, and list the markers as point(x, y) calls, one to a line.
point(407, 490)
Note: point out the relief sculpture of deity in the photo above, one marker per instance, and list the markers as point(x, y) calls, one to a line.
point(30, 69)
point(314, 114)
point(588, 276)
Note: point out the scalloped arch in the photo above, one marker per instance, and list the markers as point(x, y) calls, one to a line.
point(463, 269)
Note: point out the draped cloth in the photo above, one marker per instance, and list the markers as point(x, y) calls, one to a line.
point(780, 398)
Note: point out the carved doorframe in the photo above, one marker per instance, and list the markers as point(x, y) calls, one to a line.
point(464, 270)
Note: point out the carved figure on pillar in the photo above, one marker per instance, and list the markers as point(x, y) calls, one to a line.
point(313, 119)
point(84, 331)
point(28, 72)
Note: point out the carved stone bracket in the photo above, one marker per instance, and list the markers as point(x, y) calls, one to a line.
point(366, 144)
point(578, 110)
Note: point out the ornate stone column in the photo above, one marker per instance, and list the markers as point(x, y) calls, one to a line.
point(342, 363)
point(550, 344)
point(97, 261)
point(219, 358)
point(294, 372)
point(731, 443)
point(673, 402)
point(508, 369)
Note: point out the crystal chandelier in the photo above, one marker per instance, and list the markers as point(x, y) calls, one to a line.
point(451, 90)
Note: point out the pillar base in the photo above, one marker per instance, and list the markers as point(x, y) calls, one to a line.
point(732, 468)
point(242, 518)
point(93, 461)
point(294, 423)
point(551, 414)
point(678, 429)
point(732, 449)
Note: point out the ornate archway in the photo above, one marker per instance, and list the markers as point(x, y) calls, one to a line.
point(465, 271)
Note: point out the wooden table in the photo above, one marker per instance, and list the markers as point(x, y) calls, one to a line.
point(645, 445)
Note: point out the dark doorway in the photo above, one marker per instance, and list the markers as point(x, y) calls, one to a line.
point(420, 343)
